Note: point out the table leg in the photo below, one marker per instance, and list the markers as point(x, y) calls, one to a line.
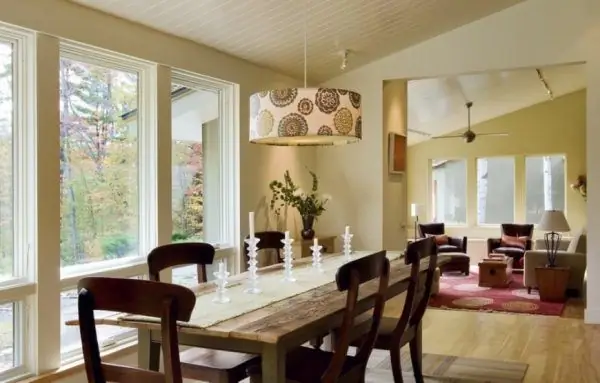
point(148, 351)
point(273, 364)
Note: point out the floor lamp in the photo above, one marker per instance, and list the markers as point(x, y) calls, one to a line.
point(414, 212)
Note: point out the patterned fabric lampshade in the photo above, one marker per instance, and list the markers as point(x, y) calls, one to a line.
point(305, 117)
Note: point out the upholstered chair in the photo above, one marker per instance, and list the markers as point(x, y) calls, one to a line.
point(514, 241)
point(446, 244)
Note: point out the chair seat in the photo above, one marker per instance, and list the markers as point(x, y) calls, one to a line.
point(307, 365)
point(507, 249)
point(448, 248)
point(202, 363)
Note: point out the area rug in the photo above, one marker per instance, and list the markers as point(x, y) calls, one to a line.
point(463, 293)
point(444, 368)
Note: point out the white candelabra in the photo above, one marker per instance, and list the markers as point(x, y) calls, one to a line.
point(287, 258)
point(221, 281)
point(252, 242)
point(316, 256)
point(347, 238)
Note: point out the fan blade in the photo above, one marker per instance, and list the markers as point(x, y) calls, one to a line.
point(492, 134)
point(459, 136)
point(420, 132)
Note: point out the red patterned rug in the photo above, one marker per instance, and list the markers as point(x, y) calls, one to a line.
point(463, 293)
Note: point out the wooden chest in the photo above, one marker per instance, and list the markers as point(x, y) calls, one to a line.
point(495, 272)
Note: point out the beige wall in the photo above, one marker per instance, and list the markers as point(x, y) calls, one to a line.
point(552, 127)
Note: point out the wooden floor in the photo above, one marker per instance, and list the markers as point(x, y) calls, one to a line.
point(557, 349)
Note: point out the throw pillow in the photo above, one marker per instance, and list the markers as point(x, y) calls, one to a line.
point(440, 239)
point(510, 241)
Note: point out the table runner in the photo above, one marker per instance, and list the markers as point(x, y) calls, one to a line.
point(208, 313)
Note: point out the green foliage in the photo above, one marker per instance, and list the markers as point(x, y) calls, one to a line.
point(179, 237)
point(117, 246)
point(287, 193)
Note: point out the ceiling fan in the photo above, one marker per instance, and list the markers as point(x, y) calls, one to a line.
point(469, 136)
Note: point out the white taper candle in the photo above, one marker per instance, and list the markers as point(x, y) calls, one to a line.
point(315, 242)
point(347, 232)
point(287, 235)
point(251, 223)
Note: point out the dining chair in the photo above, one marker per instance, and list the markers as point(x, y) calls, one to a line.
point(168, 302)
point(199, 363)
point(394, 333)
point(268, 240)
point(308, 365)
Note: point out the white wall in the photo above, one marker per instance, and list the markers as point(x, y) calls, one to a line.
point(531, 34)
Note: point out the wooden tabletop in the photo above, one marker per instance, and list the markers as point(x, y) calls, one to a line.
point(320, 307)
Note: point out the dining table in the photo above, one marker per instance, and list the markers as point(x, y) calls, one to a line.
point(284, 315)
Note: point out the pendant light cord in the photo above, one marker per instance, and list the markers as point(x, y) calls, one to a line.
point(305, 40)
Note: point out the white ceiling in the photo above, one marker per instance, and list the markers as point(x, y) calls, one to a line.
point(271, 32)
point(437, 105)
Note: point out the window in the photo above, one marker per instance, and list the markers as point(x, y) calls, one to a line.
point(16, 212)
point(449, 191)
point(106, 133)
point(198, 205)
point(98, 163)
point(495, 190)
point(545, 186)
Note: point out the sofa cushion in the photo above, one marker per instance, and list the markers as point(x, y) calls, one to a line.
point(579, 243)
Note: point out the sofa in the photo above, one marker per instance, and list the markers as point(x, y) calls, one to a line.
point(571, 253)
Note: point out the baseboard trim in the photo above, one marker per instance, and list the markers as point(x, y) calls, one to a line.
point(592, 316)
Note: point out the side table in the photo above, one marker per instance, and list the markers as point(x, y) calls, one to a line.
point(552, 283)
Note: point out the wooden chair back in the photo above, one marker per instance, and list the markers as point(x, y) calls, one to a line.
point(268, 240)
point(349, 278)
point(181, 254)
point(166, 301)
point(414, 309)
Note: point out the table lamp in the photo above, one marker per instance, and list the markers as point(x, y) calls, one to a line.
point(554, 222)
point(414, 212)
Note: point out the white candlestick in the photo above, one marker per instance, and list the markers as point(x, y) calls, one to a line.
point(251, 223)
point(347, 230)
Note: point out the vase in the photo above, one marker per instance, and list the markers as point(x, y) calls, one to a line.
point(307, 227)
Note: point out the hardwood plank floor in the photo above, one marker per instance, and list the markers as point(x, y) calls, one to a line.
point(557, 349)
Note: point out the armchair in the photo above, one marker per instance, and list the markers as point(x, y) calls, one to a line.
point(515, 240)
point(454, 244)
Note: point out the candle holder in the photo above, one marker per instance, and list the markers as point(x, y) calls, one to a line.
point(288, 260)
point(252, 262)
point(316, 258)
point(221, 281)
point(347, 238)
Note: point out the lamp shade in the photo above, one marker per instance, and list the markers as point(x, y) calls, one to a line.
point(305, 117)
point(554, 220)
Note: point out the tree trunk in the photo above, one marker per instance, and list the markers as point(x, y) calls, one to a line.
point(482, 189)
point(547, 169)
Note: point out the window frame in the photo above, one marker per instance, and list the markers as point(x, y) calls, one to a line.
point(431, 193)
point(514, 190)
point(228, 160)
point(147, 180)
point(20, 289)
point(565, 185)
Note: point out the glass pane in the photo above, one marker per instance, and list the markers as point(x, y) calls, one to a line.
point(545, 188)
point(98, 163)
point(70, 340)
point(495, 190)
point(449, 191)
point(7, 336)
point(6, 161)
point(188, 113)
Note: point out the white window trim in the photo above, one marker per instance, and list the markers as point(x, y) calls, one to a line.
point(228, 184)
point(146, 135)
point(19, 289)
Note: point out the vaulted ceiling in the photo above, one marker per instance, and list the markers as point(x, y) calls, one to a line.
point(271, 32)
point(436, 106)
